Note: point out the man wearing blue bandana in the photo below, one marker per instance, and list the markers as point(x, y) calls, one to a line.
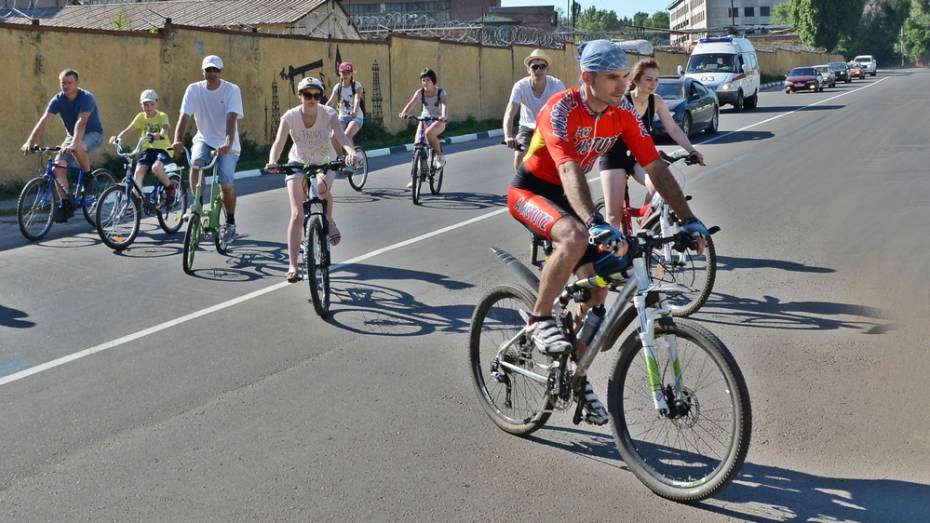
point(550, 195)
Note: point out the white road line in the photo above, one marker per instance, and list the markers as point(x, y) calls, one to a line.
point(31, 371)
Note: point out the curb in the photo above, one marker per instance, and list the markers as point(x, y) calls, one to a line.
point(770, 84)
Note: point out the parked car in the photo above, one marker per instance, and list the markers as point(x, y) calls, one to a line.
point(827, 78)
point(869, 64)
point(694, 107)
point(803, 79)
point(841, 70)
point(856, 70)
point(729, 66)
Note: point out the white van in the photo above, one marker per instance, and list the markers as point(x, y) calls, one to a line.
point(729, 67)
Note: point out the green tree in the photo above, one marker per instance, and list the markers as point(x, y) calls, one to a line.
point(917, 31)
point(822, 23)
point(781, 15)
point(877, 32)
point(641, 19)
point(593, 19)
point(660, 20)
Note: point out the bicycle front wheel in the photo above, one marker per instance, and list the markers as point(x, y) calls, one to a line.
point(96, 183)
point(696, 450)
point(358, 175)
point(221, 236)
point(170, 217)
point(191, 242)
point(118, 217)
point(316, 260)
point(515, 401)
point(694, 273)
point(35, 207)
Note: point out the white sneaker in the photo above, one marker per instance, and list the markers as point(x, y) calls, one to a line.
point(439, 161)
point(548, 338)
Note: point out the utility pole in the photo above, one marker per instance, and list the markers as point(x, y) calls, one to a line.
point(732, 13)
point(901, 44)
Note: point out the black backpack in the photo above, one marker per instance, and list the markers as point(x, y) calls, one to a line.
point(361, 103)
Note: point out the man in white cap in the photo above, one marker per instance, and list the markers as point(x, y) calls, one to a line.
point(550, 194)
point(216, 106)
point(529, 94)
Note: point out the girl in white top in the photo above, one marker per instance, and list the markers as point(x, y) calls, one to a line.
point(529, 94)
point(347, 99)
point(310, 126)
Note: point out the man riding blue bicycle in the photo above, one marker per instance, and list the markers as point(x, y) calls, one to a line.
point(550, 195)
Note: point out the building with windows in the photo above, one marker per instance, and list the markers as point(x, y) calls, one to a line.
point(442, 10)
point(694, 15)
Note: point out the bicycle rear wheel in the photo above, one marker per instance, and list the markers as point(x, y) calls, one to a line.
point(35, 208)
point(687, 269)
point(171, 217)
point(418, 173)
point(95, 183)
point(191, 242)
point(695, 453)
point(359, 172)
point(316, 260)
point(118, 217)
point(515, 402)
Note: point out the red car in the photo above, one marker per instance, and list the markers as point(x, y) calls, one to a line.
point(803, 79)
point(856, 70)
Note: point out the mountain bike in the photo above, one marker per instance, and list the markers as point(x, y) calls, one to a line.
point(694, 273)
point(121, 206)
point(39, 197)
point(315, 244)
point(422, 166)
point(211, 220)
point(678, 404)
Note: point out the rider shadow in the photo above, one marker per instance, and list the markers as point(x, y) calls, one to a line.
point(729, 263)
point(246, 260)
point(154, 243)
point(10, 317)
point(772, 313)
point(788, 108)
point(462, 201)
point(381, 310)
point(740, 137)
point(766, 493)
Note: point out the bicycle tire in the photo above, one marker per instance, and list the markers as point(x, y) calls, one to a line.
point(220, 241)
point(98, 181)
point(191, 242)
point(655, 463)
point(685, 304)
point(316, 259)
point(535, 416)
point(435, 179)
point(171, 218)
point(359, 174)
point(117, 219)
point(33, 208)
point(417, 178)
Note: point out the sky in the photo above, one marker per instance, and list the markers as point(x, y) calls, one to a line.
point(623, 8)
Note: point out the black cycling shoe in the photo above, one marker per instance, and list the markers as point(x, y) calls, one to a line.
point(593, 410)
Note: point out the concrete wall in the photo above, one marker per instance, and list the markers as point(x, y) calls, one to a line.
point(117, 65)
point(779, 62)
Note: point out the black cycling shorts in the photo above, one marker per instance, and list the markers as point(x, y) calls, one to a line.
point(618, 157)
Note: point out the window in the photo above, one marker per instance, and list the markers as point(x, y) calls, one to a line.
point(765, 11)
point(733, 12)
point(749, 11)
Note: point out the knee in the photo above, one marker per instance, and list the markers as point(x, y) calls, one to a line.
point(296, 216)
point(571, 235)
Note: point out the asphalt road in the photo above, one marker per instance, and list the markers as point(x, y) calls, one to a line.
point(223, 397)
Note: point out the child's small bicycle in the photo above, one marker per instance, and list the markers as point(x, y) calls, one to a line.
point(211, 220)
point(120, 209)
point(39, 198)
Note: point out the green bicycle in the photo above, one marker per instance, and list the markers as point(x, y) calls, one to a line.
point(211, 220)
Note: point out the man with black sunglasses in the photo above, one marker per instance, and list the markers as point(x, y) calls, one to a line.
point(216, 106)
point(529, 94)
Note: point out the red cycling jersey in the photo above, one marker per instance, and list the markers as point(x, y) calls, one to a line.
point(568, 130)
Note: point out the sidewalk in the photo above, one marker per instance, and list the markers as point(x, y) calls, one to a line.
point(7, 204)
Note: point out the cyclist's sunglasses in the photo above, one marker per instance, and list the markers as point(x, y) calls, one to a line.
point(212, 70)
point(538, 65)
point(311, 95)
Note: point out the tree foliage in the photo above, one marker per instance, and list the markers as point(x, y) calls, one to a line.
point(822, 23)
point(593, 19)
point(917, 31)
point(878, 30)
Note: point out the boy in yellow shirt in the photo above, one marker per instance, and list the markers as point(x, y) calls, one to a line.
point(153, 127)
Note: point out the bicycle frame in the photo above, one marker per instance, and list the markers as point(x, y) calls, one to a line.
point(53, 181)
point(313, 198)
point(212, 221)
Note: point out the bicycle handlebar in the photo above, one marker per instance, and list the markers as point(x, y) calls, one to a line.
point(298, 168)
point(423, 118)
point(690, 159)
point(516, 147)
point(39, 149)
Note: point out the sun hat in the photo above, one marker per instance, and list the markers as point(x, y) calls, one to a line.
point(537, 54)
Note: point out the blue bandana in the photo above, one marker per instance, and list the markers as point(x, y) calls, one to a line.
point(600, 56)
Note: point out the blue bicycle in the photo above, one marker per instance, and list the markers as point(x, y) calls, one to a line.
point(120, 208)
point(40, 197)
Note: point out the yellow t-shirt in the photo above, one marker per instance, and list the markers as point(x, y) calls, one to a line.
point(154, 124)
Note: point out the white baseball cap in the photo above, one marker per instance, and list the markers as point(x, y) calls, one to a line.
point(212, 61)
point(148, 95)
point(310, 82)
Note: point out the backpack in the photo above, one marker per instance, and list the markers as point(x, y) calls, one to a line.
point(423, 96)
point(361, 102)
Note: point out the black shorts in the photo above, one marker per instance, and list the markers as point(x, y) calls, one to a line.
point(618, 157)
point(150, 156)
point(524, 135)
point(538, 205)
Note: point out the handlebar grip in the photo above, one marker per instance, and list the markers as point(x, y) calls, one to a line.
point(713, 230)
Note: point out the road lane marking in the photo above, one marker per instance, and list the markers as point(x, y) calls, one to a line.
point(31, 371)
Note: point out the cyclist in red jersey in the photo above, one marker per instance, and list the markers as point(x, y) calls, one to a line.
point(550, 195)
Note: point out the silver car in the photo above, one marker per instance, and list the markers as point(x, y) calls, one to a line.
point(827, 76)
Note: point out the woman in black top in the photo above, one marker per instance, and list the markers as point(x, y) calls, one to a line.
point(618, 164)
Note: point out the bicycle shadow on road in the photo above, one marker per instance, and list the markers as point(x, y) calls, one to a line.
point(246, 260)
point(768, 493)
point(10, 317)
point(363, 307)
point(789, 108)
point(770, 312)
point(729, 263)
point(738, 137)
point(445, 200)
